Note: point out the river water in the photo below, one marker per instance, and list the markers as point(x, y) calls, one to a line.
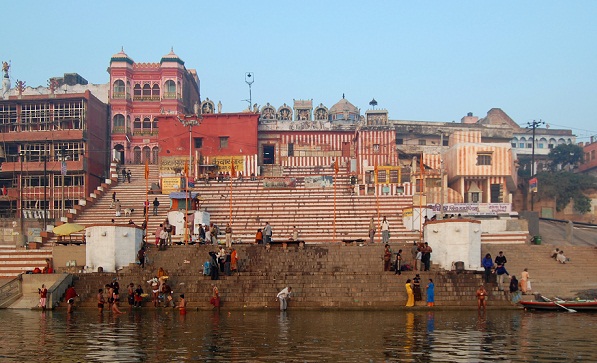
point(149, 335)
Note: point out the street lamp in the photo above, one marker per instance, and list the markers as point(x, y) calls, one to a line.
point(533, 125)
point(249, 79)
point(190, 121)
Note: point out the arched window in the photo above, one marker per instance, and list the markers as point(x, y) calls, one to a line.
point(155, 90)
point(118, 123)
point(155, 153)
point(561, 141)
point(155, 123)
point(137, 123)
point(137, 91)
point(514, 142)
point(118, 90)
point(170, 89)
point(146, 91)
point(146, 123)
point(542, 144)
point(522, 142)
point(146, 154)
point(137, 155)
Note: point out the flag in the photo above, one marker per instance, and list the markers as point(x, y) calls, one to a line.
point(232, 169)
point(336, 168)
point(146, 169)
point(186, 168)
point(533, 185)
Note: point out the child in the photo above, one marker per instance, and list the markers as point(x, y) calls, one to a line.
point(100, 301)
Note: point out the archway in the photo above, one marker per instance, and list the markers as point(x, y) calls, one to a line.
point(118, 153)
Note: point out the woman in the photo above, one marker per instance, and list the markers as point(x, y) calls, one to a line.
point(387, 257)
point(487, 264)
point(417, 288)
point(233, 260)
point(430, 293)
point(138, 296)
point(409, 292)
point(514, 293)
point(398, 263)
point(259, 237)
point(215, 297)
point(525, 283)
point(371, 230)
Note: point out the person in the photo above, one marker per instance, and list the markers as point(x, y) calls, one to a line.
point(416, 284)
point(43, 295)
point(418, 260)
point(430, 293)
point(387, 257)
point(267, 233)
point(233, 260)
point(182, 305)
point(500, 262)
point(145, 208)
point(487, 264)
point(138, 296)
point(128, 175)
point(426, 256)
point(118, 207)
point(101, 301)
point(214, 270)
point(385, 230)
point(123, 175)
point(371, 231)
point(514, 292)
point(409, 292)
point(202, 233)
point(167, 294)
point(283, 296)
point(561, 258)
point(155, 290)
point(163, 239)
point(215, 297)
point(259, 237)
point(70, 296)
point(214, 234)
point(158, 232)
point(228, 231)
point(481, 297)
point(398, 263)
point(168, 229)
point(48, 269)
point(413, 252)
point(156, 204)
point(130, 296)
point(554, 253)
point(295, 233)
point(525, 283)
point(113, 200)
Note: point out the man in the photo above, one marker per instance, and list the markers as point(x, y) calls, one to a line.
point(228, 231)
point(481, 297)
point(267, 233)
point(385, 230)
point(156, 204)
point(145, 207)
point(43, 295)
point(118, 207)
point(283, 296)
point(426, 258)
point(561, 258)
point(500, 262)
point(554, 253)
point(413, 251)
point(70, 296)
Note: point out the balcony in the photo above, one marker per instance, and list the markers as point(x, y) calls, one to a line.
point(146, 98)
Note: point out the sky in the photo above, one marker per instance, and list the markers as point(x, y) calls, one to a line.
point(420, 60)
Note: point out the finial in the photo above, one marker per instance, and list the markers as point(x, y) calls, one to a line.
point(171, 49)
point(122, 48)
point(342, 95)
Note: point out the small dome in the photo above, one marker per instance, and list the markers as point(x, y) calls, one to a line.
point(344, 106)
point(121, 57)
point(171, 57)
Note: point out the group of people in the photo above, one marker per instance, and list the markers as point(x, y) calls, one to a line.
point(558, 255)
point(413, 291)
point(126, 175)
point(498, 267)
point(224, 261)
point(264, 235)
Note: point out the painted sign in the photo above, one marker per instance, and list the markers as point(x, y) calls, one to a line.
point(173, 164)
point(472, 208)
point(279, 183)
point(224, 163)
point(319, 181)
point(171, 184)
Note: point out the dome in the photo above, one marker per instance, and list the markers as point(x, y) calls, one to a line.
point(171, 57)
point(121, 57)
point(344, 106)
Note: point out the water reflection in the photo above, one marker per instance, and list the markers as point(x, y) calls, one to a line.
point(297, 336)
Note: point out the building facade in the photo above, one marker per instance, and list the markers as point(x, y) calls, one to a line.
point(139, 94)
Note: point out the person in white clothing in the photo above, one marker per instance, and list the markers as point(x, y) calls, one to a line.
point(283, 296)
point(385, 230)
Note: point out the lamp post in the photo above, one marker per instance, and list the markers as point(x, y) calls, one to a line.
point(190, 121)
point(21, 156)
point(249, 79)
point(533, 125)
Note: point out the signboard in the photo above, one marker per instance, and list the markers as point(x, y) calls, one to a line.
point(533, 185)
point(173, 164)
point(224, 163)
point(319, 181)
point(472, 208)
point(171, 184)
point(279, 183)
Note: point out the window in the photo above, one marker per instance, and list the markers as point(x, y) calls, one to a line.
point(155, 90)
point(118, 91)
point(592, 154)
point(198, 141)
point(513, 144)
point(137, 123)
point(550, 146)
point(170, 89)
point(146, 90)
point(483, 159)
point(446, 142)
point(118, 121)
point(290, 149)
point(530, 146)
point(147, 123)
point(223, 142)
point(521, 145)
point(155, 123)
point(376, 148)
point(137, 91)
point(422, 142)
point(399, 141)
point(475, 197)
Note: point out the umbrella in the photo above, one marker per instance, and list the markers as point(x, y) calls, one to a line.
point(67, 229)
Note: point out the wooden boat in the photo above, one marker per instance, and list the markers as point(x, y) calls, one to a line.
point(561, 305)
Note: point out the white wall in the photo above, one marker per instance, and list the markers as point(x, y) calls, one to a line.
point(112, 246)
point(455, 240)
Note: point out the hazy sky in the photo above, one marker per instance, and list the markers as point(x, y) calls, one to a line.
point(421, 60)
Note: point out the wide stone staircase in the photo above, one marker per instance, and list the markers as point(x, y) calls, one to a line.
point(14, 261)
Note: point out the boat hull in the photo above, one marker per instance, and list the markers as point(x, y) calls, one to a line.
point(550, 305)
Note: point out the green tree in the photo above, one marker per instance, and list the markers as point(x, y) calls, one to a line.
point(565, 186)
point(565, 156)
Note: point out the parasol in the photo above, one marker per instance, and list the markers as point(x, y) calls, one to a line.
point(67, 229)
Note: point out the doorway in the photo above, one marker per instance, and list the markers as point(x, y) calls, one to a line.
point(268, 155)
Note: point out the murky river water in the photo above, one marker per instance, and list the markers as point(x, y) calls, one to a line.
point(298, 336)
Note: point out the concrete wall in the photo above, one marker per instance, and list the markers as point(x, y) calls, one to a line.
point(63, 254)
point(112, 247)
point(455, 240)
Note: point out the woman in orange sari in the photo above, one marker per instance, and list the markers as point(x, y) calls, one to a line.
point(409, 292)
point(233, 260)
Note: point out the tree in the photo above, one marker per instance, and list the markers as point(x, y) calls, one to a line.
point(565, 186)
point(565, 155)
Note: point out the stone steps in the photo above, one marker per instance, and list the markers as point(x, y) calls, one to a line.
point(14, 261)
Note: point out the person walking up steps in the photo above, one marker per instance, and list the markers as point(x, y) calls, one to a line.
point(156, 204)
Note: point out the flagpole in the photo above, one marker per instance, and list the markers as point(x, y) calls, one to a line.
point(146, 199)
point(335, 182)
point(375, 171)
point(422, 167)
point(186, 214)
point(232, 172)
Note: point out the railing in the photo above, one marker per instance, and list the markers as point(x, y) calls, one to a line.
point(118, 95)
point(56, 291)
point(146, 98)
point(170, 95)
point(11, 291)
point(118, 130)
point(145, 133)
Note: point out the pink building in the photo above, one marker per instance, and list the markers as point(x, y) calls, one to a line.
point(139, 93)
